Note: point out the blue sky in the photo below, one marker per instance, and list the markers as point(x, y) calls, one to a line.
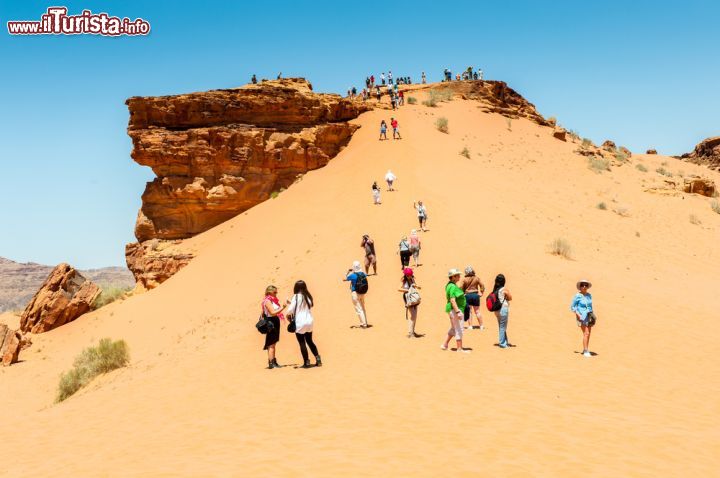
point(644, 74)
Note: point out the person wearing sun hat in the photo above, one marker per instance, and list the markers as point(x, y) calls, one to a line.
point(582, 306)
point(454, 308)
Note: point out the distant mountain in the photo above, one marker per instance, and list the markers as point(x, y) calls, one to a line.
point(19, 282)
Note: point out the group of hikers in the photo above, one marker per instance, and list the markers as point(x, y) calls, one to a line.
point(463, 292)
point(468, 74)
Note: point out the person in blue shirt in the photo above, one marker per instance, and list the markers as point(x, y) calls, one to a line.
point(358, 289)
point(583, 308)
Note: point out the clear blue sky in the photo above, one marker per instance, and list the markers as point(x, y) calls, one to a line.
point(644, 74)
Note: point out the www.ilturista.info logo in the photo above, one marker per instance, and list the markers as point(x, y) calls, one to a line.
point(57, 22)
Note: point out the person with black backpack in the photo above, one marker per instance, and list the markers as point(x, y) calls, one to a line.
point(498, 302)
point(411, 299)
point(358, 288)
point(272, 312)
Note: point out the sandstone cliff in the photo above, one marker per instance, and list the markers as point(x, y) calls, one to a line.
point(218, 153)
point(707, 152)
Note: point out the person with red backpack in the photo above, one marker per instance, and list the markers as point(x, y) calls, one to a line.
point(358, 288)
point(498, 302)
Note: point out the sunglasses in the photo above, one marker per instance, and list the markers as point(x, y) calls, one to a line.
point(583, 285)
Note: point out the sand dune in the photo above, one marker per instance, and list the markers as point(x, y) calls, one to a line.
point(197, 400)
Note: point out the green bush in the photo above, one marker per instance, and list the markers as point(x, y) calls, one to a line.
point(91, 362)
point(442, 124)
point(109, 294)
point(641, 167)
point(560, 247)
point(465, 152)
point(412, 100)
point(599, 164)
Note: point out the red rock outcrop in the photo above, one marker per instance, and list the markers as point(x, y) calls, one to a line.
point(151, 266)
point(707, 152)
point(698, 185)
point(218, 153)
point(560, 133)
point(11, 343)
point(64, 296)
point(625, 151)
point(494, 96)
point(651, 151)
point(608, 145)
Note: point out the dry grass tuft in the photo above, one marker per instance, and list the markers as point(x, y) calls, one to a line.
point(561, 247)
point(442, 124)
point(411, 100)
point(641, 167)
point(694, 219)
point(110, 294)
point(465, 152)
point(599, 164)
point(602, 206)
point(91, 362)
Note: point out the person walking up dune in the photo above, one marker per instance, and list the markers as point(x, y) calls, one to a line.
point(396, 131)
point(404, 251)
point(383, 127)
point(390, 179)
point(454, 307)
point(376, 193)
point(582, 306)
point(370, 257)
point(504, 297)
point(272, 311)
point(422, 214)
point(299, 309)
point(358, 288)
point(474, 289)
point(415, 247)
point(411, 299)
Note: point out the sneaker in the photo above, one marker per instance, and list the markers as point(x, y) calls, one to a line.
point(464, 351)
point(587, 354)
point(443, 347)
point(482, 327)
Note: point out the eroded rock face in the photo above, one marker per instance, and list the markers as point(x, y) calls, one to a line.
point(560, 133)
point(697, 185)
point(651, 151)
point(11, 343)
point(608, 145)
point(707, 152)
point(64, 296)
point(152, 265)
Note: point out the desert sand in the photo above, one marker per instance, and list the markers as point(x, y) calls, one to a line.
point(198, 401)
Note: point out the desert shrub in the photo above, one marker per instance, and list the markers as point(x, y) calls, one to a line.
point(91, 362)
point(465, 152)
point(599, 164)
point(560, 247)
point(442, 124)
point(602, 206)
point(586, 143)
point(620, 156)
point(664, 163)
point(715, 205)
point(109, 294)
point(436, 97)
point(573, 134)
point(431, 103)
point(694, 219)
point(552, 120)
point(664, 172)
point(641, 167)
point(412, 100)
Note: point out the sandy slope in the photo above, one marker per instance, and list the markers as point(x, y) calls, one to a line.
point(197, 401)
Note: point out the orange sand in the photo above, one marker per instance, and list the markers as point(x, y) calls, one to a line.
point(197, 400)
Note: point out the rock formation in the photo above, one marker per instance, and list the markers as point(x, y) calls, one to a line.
point(609, 146)
point(651, 151)
point(698, 185)
point(152, 263)
point(11, 343)
point(64, 296)
point(625, 151)
point(707, 152)
point(218, 153)
point(560, 133)
point(495, 97)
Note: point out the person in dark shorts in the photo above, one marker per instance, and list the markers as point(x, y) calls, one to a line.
point(370, 258)
point(272, 310)
point(474, 289)
point(404, 250)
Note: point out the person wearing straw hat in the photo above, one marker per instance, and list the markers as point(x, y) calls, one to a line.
point(454, 308)
point(584, 316)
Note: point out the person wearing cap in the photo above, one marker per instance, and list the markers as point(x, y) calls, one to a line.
point(583, 308)
point(356, 277)
point(370, 258)
point(408, 282)
point(474, 289)
point(454, 308)
point(504, 297)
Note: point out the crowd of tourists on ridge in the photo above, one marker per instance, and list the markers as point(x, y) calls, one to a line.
point(463, 291)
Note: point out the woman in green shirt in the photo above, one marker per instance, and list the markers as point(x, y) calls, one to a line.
point(454, 308)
